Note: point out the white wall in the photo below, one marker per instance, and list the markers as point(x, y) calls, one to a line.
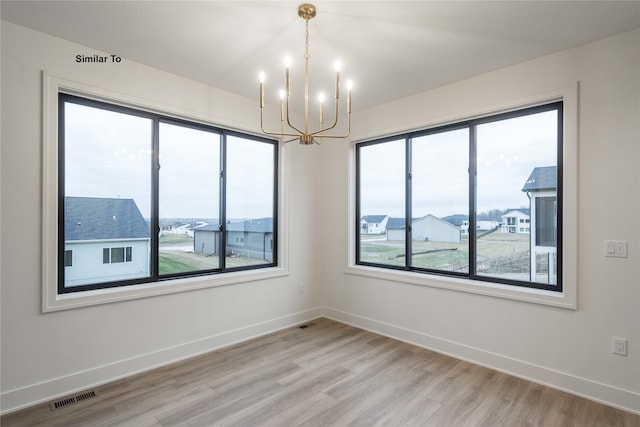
point(568, 349)
point(47, 355)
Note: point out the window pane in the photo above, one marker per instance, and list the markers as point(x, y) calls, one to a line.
point(117, 255)
point(516, 197)
point(382, 203)
point(250, 187)
point(189, 200)
point(440, 201)
point(68, 258)
point(107, 187)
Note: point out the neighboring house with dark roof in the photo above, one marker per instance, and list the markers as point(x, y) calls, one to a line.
point(427, 228)
point(516, 221)
point(541, 188)
point(105, 240)
point(250, 238)
point(395, 228)
point(373, 224)
point(542, 178)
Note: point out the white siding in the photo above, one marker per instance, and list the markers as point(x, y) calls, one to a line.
point(88, 266)
point(432, 229)
point(206, 242)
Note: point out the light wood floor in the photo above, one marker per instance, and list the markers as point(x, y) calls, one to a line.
point(327, 374)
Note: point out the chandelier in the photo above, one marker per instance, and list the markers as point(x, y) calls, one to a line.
point(305, 135)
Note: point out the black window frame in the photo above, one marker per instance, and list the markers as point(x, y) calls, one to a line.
point(157, 118)
point(471, 125)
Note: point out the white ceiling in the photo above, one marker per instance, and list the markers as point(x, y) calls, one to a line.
point(390, 49)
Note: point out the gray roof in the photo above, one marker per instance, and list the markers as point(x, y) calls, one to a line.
point(436, 218)
point(261, 225)
point(456, 219)
point(374, 218)
point(208, 227)
point(395, 224)
point(93, 218)
point(542, 178)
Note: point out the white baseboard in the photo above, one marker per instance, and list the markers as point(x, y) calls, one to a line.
point(45, 391)
point(612, 396)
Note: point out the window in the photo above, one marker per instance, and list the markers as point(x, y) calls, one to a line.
point(458, 198)
point(178, 194)
point(546, 218)
point(116, 255)
point(68, 258)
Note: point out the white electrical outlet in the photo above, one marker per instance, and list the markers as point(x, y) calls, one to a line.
point(619, 346)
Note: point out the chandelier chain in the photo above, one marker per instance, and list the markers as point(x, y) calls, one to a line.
point(306, 39)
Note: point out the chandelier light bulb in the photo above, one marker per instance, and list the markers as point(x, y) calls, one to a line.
point(287, 61)
point(321, 98)
point(349, 84)
point(281, 94)
point(337, 66)
point(261, 76)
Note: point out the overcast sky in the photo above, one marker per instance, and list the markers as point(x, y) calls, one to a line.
point(108, 155)
point(507, 151)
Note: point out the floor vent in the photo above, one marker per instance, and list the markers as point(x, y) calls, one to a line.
point(68, 401)
point(306, 325)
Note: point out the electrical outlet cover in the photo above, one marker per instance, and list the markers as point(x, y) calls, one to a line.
point(619, 346)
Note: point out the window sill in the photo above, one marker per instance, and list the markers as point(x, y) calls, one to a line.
point(56, 302)
point(564, 299)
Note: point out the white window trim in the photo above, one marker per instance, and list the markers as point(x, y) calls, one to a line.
point(568, 298)
point(51, 300)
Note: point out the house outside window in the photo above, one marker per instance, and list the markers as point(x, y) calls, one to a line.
point(507, 225)
point(137, 185)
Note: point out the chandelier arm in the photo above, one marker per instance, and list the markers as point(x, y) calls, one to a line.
point(281, 134)
point(289, 121)
point(296, 136)
point(338, 136)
